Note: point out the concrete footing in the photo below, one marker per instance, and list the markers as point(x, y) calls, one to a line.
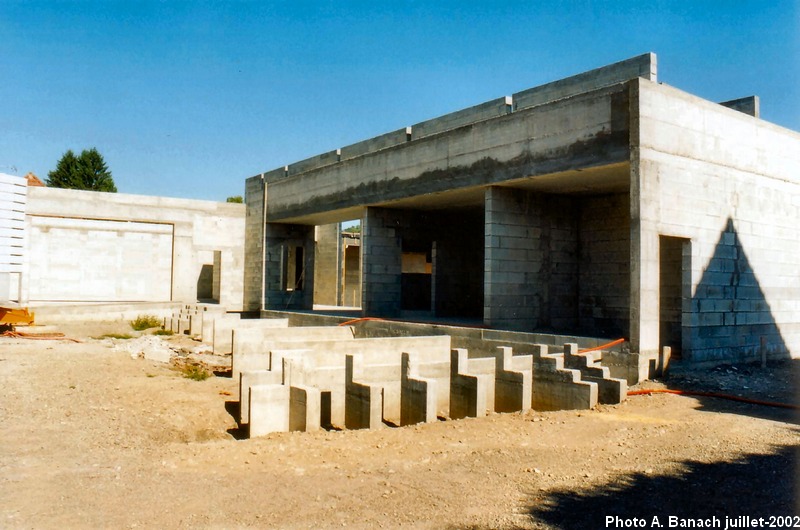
point(366, 383)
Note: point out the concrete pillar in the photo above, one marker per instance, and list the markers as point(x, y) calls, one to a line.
point(381, 271)
point(327, 266)
point(289, 280)
point(255, 199)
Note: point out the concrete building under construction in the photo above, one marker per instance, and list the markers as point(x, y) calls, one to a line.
point(606, 204)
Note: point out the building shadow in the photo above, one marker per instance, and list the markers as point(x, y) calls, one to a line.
point(756, 485)
point(728, 318)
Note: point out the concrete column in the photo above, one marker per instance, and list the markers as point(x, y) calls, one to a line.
point(326, 282)
point(288, 284)
point(255, 199)
point(381, 252)
point(644, 265)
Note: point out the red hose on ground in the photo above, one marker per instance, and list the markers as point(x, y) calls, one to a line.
point(714, 395)
point(37, 336)
point(362, 319)
point(603, 346)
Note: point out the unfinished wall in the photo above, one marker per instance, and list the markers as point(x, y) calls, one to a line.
point(729, 183)
point(89, 246)
point(605, 239)
point(531, 251)
point(254, 199)
point(381, 263)
point(458, 265)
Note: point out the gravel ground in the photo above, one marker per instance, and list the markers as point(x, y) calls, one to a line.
point(95, 437)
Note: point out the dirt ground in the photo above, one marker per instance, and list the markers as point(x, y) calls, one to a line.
point(93, 438)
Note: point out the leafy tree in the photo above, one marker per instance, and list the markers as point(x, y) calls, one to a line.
point(85, 172)
point(236, 198)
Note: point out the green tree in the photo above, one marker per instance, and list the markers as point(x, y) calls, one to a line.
point(236, 198)
point(85, 172)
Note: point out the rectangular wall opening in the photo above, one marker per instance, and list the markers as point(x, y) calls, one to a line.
point(292, 268)
point(671, 293)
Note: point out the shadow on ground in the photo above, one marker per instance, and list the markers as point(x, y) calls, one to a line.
point(757, 485)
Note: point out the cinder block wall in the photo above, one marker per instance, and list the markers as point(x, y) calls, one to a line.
point(728, 184)
point(531, 265)
point(254, 199)
point(137, 248)
point(381, 255)
point(458, 265)
point(605, 239)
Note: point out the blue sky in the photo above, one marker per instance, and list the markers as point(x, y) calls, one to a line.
point(187, 99)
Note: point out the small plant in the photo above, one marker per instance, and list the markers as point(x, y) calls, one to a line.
point(115, 336)
point(144, 322)
point(195, 373)
point(166, 332)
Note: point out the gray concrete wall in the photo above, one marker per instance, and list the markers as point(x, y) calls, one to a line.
point(730, 184)
point(381, 261)
point(531, 261)
point(587, 129)
point(604, 281)
point(254, 199)
point(90, 246)
point(458, 263)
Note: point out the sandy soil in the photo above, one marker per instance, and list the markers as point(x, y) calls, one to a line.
point(92, 438)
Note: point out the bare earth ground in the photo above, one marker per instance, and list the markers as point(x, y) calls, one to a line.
point(92, 438)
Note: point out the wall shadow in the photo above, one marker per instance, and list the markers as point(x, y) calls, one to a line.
point(729, 318)
point(756, 485)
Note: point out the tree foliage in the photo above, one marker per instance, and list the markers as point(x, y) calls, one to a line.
point(85, 172)
point(236, 198)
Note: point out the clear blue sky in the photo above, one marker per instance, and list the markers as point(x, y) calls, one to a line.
point(187, 99)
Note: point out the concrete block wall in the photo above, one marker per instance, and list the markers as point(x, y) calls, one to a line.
point(604, 304)
point(728, 183)
point(458, 265)
point(530, 260)
point(127, 255)
point(381, 262)
point(255, 199)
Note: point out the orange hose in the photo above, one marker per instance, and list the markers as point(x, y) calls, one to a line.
point(603, 346)
point(37, 336)
point(362, 319)
point(714, 395)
